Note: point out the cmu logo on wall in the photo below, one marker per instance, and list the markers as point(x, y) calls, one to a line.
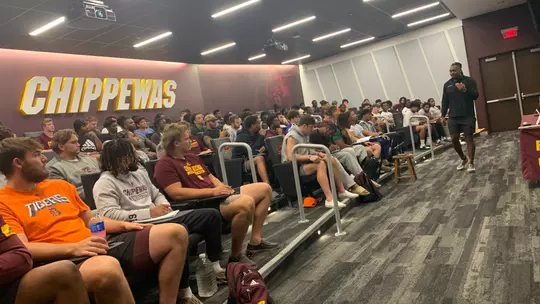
point(61, 95)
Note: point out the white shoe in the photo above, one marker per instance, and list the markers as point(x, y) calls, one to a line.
point(462, 164)
point(330, 204)
point(347, 194)
point(471, 168)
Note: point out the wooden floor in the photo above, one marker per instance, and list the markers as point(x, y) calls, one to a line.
point(451, 237)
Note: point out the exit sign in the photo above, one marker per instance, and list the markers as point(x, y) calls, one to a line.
point(510, 32)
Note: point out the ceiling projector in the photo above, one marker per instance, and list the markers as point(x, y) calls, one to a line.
point(278, 45)
point(90, 15)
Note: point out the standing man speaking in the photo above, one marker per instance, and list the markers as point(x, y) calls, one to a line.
point(459, 94)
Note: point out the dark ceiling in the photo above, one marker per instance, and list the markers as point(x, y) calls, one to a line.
point(195, 31)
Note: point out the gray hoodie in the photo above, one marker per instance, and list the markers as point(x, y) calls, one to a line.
point(127, 197)
point(300, 138)
point(71, 170)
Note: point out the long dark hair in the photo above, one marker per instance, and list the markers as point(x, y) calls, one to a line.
point(119, 157)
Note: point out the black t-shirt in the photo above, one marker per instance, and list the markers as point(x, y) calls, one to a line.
point(87, 144)
point(212, 133)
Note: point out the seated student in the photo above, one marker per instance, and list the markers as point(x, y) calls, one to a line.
point(386, 114)
point(4, 133)
point(197, 124)
point(282, 120)
point(159, 124)
point(293, 116)
point(251, 136)
point(342, 139)
point(47, 125)
point(264, 118)
point(144, 155)
point(234, 127)
point(398, 107)
point(89, 142)
point(52, 221)
point(274, 127)
point(368, 129)
point(212, 131)
point(183, 176)
point(436, 114)
point(436, 126)
point(111, 126)
point(197, 146)
point(145, 144)
point(124, 192)
point(58, 282)
point(118, 125)
point(142, 127)
point(314, 163)
point(70, 164)
point(419, 127)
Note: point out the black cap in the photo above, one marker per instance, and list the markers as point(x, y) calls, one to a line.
point(78, 124)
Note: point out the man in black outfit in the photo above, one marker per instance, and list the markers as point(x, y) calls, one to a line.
point(459, 94)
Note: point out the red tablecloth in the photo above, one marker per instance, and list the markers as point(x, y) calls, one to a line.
point(530, 149)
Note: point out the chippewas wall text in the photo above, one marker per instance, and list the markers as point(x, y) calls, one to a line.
point(61, 95)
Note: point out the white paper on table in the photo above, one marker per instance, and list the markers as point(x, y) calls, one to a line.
point(160, 218)
point(363, 139)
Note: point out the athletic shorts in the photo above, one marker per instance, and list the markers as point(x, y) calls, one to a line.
point(134, 253)
point(465, 125)
point(8, 292)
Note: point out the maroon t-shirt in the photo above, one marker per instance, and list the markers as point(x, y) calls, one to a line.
point(45, 140)
point(190, 172)
point(15, 260)
point(196, 145)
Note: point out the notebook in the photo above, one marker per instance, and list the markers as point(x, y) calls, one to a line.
point(165, 217)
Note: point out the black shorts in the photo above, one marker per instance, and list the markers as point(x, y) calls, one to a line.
point(465, 125)
point(8, 293)
point(134, 253)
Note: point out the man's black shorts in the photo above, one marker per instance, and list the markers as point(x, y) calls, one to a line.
point(8, 292)
point(465, 125)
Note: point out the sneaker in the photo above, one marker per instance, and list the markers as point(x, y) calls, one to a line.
point(357, 189)
point(264, 245)
point(242, 258)
point(330, 204)
point(377, 185)
point(347, 194)
point(471, 168)
point(462, 164)
point(221, 279)
point(190, 300)
point(425, 147)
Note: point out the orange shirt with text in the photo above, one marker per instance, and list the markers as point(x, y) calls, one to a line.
point(48, 214)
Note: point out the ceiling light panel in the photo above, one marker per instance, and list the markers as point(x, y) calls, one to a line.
point(331, 35)
point(296, 59)
point(219, 48)
point(292, 24)
point(48, 26)
point(153, 39)
point(428, 20)
point(257, 57)
point(234, 8)
point(414, 10)
point(357, 42)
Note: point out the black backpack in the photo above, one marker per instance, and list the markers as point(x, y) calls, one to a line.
point(374, 194)
point(372, 167)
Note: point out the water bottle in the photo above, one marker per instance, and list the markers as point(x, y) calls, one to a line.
point(97, 226)
point(206, 277)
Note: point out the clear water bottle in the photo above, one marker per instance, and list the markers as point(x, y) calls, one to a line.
point(206, 277)
point(97, 226)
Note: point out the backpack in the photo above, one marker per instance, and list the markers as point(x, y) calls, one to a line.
point(374, 194)
point(246, 285)
point(371, 167)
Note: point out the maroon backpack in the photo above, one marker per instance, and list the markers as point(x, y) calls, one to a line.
point(246, 285)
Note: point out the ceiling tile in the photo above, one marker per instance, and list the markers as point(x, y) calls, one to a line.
point(8, 12)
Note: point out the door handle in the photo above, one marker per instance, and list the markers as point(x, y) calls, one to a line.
point(503, 99)
point(523, 95)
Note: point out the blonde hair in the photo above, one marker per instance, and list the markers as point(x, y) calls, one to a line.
point(45, 121)
point(61, 138)
point(172, 134)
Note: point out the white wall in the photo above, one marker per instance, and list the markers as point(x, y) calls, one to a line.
point(414, 65)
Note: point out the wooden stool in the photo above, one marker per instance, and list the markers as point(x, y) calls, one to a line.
point(409, 159)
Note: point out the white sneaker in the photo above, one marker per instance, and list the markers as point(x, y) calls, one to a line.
point(330, 204)
point(347, 194)
point(471, 168)
point(462, 164)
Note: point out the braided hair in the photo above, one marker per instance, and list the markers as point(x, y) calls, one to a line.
point(119, 157)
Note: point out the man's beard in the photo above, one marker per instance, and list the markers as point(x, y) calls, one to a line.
point(34, 175)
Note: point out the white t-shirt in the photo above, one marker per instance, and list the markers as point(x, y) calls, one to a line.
point(406, 118)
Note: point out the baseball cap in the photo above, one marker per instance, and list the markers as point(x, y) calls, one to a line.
point(210, 117)
point(78, 124)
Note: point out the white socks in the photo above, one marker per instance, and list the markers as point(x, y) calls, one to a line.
point(185, 293)
point(422, 142)
point(217, 267)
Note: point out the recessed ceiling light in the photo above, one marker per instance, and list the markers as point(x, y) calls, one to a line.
point(428, 19)
point(48, 26)
point(158, 37)
point(234, 8)
point(357, 42)
point(219, 48)
point(331, 35)
point(414, 10)
point(257, 57)
point(296, 59)
point(286, 26)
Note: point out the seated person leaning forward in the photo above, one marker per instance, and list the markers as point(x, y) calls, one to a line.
point(124, 192)
point(70, 164)
point(58, 282)
point(53, 222)
point(315, 162)
point(184, 176)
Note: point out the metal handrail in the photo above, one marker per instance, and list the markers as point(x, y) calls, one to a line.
point(222, 160)
point(429, 134)
point(330, 178)
point(379, 116)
